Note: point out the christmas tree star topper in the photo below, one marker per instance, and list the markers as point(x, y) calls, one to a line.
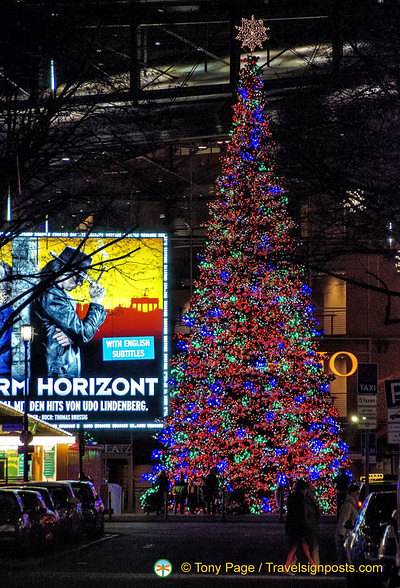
point(252, 33)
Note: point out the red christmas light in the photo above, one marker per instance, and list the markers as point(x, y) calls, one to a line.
point(247, 392)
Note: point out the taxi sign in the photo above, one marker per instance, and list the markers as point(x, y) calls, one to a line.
point(373, 478)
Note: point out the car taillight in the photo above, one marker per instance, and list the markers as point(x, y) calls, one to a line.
point(359, 504)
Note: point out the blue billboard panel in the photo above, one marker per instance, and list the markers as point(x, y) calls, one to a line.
point(98, 305)
point(128, 348)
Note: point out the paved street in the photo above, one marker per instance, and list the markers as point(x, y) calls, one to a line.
point(127, 554)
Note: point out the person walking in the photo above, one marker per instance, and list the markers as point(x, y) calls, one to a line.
point(192, 496)
point(280, 494)
point(180, 492)
point(342, 482)
point(312, 516)
point(347, 518)
point(296, 528)
point(209, 489)
point(162, 486)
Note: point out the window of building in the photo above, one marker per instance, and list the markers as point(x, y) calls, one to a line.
point(329, 295)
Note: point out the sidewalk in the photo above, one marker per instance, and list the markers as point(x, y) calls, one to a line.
point(127, 517)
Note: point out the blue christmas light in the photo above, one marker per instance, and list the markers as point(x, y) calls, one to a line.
point(314, 474)
point(282, 480)
point(222, 466)
point(316, 445)
point(266, 507)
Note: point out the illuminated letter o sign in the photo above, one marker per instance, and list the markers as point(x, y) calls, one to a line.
point(354, 363)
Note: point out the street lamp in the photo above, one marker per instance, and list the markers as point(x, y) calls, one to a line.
point(358, 420)
point(26, 436)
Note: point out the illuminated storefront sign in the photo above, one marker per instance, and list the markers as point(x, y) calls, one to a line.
point(99, 358)
point(332, 360)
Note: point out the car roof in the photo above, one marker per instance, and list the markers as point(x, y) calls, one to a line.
point(22, 488)
point(379, 483)
point(51, 486)
point(27, 487)
point(79, 482)
point(45, 492)
point(13, 493)
point(32, 491)
point(45, 483)
point(33, 488)
point(378, 487)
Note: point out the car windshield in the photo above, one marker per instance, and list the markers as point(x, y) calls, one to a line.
point(382, 487)
point(84, 493)
point(8, 506)
point(385, 486)
point(46, 498)
point(30, 500)
point(380, 508)
point(60, 495)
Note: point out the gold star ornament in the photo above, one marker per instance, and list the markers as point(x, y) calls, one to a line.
point(252, 33)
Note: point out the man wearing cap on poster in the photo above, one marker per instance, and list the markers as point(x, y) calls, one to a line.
point(59, 331)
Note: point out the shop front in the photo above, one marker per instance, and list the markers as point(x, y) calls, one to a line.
point(48, 450)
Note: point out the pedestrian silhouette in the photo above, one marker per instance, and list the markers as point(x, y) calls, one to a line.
point(347, 518)
point(210, 489)
point(312, 516)
point(179, 491)
point(341, 482)
point(296, 528)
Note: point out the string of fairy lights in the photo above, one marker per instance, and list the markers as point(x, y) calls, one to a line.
point(248, 396)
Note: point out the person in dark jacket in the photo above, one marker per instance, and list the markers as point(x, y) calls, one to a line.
point(210, 490)
point(342, 482)
point(280, 491)
point(296, 528)
point(312, 516)
point(5, 326)
point(180, 492)
point(59, 331)
point(162, 487)
point(192, 496)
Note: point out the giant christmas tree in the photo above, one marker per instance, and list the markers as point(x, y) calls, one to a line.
point(248, 395)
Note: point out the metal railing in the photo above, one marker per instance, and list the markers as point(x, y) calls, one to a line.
point(333, 320)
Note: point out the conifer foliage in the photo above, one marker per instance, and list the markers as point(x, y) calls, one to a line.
point(248, 395)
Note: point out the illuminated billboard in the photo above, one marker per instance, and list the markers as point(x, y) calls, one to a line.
point(99, 308)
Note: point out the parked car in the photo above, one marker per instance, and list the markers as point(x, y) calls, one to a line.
point(92, 506)
point(45, 522)
point(15, 525)
point(362, 546)
point(388, 550)
point(67, 504)
point(384, 484)
point(45, 492)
